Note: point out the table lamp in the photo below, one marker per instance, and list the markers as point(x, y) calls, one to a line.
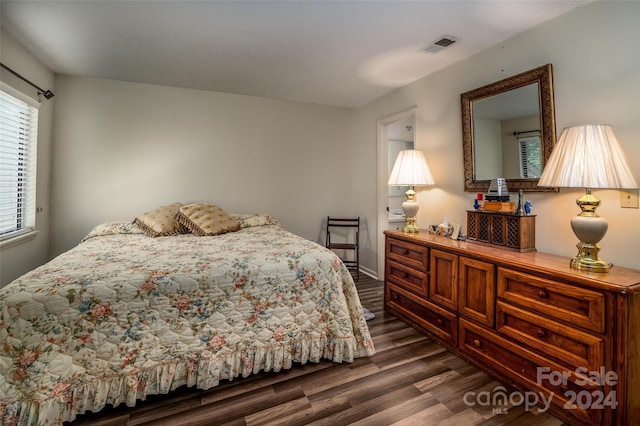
point(588, 156)
point(410, 169)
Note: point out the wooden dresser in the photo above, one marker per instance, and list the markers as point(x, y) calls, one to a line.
point(527, 319)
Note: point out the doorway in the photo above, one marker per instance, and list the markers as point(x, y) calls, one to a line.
point(397, 128)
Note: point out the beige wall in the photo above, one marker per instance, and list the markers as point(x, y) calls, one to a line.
point(124, 148)
point(596, 65)
point(18, 258)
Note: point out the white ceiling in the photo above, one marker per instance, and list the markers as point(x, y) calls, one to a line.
point(342, 53)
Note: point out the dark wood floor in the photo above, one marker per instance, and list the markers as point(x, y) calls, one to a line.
point(409, 381)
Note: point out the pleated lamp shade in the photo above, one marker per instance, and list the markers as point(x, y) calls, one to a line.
point(411, 169)
point(588, 156)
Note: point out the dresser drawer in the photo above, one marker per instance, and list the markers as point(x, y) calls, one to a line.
point(526, 368)
point(413, 255)
point(426, 316)
point(572, 347)
point(407, 278)
point(571, 304)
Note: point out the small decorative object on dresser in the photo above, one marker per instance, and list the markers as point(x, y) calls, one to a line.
point(456, 231)
point(497, 199)
point(502, 229)
point(528, 319)
point(498, 190)
point(520, 209)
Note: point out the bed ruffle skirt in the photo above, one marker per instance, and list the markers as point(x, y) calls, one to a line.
point(204, 373)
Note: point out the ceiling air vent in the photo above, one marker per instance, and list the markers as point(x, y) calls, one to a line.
point(438, 45)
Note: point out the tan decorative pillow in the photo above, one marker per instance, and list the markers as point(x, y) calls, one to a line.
point(206, 219)
point(161, 221)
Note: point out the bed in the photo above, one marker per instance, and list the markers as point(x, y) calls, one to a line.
point(122, 316)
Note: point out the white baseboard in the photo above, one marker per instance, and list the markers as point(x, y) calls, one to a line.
point(370, 273)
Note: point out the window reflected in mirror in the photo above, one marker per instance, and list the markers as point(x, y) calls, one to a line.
point(530, 156)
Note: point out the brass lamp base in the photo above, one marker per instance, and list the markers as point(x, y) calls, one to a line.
point(590, 229)
point(588, 259)
point(410, 209)
point(410, 226)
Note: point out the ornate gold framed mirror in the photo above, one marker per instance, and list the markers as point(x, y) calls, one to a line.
point(508, 131)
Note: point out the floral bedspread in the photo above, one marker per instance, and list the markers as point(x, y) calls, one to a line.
point(122, 316)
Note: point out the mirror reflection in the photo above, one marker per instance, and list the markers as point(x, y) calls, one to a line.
point(506, 135)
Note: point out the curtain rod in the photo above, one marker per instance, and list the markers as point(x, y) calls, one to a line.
point(526, 131)
point(48, 94)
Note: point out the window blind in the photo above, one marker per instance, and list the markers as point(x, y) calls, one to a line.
point(530, 157)
point(18, 143)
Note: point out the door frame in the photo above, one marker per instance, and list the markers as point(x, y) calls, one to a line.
point(383, 172)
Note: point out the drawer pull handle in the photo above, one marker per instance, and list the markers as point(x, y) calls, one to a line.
point(405, 275)
point(405, 252)
point(439, 321)
point(477, 343)
point(543, 294)
point(541, 333)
